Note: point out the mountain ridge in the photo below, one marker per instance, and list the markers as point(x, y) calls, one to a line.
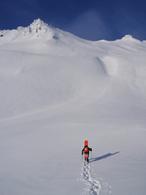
point(38, 29)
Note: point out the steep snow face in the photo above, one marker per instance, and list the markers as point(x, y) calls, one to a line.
point(42, 67)
point(40, 81)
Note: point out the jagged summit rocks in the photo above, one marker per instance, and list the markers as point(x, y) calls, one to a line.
point(38, 26)
point(37, 29)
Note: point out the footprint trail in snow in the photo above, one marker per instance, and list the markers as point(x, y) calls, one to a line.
point(94, 186)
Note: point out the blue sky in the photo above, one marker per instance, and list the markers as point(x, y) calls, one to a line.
point(89, 19)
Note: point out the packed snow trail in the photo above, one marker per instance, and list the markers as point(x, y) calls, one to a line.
point(94, 185)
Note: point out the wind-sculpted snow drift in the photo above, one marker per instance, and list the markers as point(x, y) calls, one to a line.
point(55, 90)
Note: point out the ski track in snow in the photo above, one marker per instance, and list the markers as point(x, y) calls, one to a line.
point(94, 186)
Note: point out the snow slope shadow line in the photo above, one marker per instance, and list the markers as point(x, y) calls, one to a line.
point(103, 156)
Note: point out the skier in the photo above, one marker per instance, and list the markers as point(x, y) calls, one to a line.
point(86, 150)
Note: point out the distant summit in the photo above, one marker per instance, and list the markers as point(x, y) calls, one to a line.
point(37, 29)
point(129, 38)
point(38, 25)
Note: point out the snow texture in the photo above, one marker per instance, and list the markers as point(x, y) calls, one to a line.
point(94, 185)
point(57, 89)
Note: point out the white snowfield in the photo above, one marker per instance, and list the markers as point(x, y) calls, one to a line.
point(57, 89)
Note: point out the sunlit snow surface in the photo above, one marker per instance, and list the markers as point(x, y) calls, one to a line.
point(57, 89)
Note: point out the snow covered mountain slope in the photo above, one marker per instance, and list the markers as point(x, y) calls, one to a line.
point(55, 90)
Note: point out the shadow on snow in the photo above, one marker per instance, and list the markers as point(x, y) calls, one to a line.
point(103, 156)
